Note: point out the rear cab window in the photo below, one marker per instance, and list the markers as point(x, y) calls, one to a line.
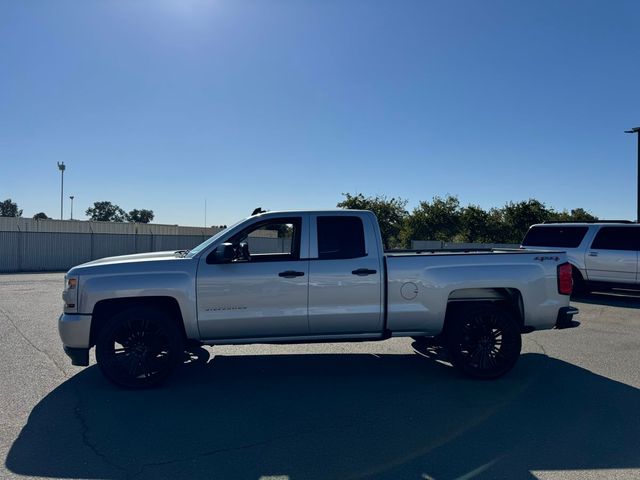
point(554, 236)
point(340, 237)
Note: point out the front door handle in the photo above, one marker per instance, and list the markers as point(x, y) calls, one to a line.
point(362, 272)
point(291, 274)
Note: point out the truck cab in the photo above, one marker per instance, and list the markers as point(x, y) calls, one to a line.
point(293, 274)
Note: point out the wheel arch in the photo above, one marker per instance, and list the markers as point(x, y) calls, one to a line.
point(105, 309)
point(508, 298)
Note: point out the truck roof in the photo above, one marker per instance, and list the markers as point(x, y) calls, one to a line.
point(334, 211)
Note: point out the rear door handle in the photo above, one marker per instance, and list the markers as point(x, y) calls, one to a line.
point(362, 272)
point(291, 274)
point(593, 254)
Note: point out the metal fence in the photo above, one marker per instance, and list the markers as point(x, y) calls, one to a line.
point(29, 251)
point(58, 251)
point(55, 251)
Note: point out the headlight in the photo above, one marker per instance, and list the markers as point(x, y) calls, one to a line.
point(70, 294)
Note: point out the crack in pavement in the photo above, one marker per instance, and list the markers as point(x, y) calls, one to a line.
point(33, 345)
point(539, 346)
point(240, 447)
point(77, 412)
point(77, 409)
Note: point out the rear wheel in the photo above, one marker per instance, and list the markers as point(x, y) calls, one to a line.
point(484, 341)
point(139, 347)
point(580, 287)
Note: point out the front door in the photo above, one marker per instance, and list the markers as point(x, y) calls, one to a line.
point(263, 291)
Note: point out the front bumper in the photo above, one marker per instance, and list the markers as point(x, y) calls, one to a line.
point(565, 318)
point(74, 330)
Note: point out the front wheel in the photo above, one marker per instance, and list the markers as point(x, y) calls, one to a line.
point(139, 347)
point(484, 341)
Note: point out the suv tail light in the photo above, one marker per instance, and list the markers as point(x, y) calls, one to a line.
point(565, 279)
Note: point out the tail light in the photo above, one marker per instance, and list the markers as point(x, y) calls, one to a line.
point(565, 279)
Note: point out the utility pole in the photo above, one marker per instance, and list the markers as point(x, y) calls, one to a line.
point(637, 132)
point(61, 167)
point(71, 197)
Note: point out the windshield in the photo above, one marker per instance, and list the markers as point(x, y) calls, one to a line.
point(196, 250)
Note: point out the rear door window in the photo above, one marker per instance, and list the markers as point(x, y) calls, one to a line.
point(554, 236)
point(340, 237)
point(617, 238)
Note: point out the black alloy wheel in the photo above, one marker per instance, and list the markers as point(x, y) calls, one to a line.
point(484, 341)
point(139, 347)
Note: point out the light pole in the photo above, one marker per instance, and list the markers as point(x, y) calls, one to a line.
point(71, 197)
point(61, 167)
point(637, 131)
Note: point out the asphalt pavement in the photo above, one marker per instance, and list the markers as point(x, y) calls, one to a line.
point(375, 410)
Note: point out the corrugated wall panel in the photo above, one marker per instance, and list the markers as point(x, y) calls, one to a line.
point(110, 245)
point(176, 242)
point(144, 243)
point(10, 251)
point(53, 251)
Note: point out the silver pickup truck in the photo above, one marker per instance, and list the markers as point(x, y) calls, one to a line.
point(308, 276)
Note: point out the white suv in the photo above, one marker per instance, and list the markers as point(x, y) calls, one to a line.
point(603, 254)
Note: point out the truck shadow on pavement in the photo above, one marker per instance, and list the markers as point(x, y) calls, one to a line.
point(323, 416)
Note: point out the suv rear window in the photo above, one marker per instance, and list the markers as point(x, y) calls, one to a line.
point(617, 238)
point(554, 236)
point(340, 237)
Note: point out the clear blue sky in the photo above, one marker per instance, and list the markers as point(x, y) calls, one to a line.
point(285, 104)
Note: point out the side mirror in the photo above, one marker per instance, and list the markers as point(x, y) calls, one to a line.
point(223, 253)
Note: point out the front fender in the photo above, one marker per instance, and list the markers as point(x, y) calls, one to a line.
point(177, 285)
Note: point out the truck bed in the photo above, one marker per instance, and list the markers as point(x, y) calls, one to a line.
point(421, 283)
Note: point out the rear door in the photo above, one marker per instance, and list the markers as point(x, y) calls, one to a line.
point(613, 255)
point(345, 277)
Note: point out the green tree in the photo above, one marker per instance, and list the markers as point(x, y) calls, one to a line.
point(391, 213)
point(40, 216)
point(477, 225)
point(440, 219)
point(140, 216)
point(9, 209)
point(105, 212)
point(575, 215)
point(518, 217)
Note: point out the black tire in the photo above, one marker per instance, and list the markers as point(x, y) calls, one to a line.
point(139, 347)
point(580, 287)
point(484, 341)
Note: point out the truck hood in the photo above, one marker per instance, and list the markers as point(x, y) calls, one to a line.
point(134, 258)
